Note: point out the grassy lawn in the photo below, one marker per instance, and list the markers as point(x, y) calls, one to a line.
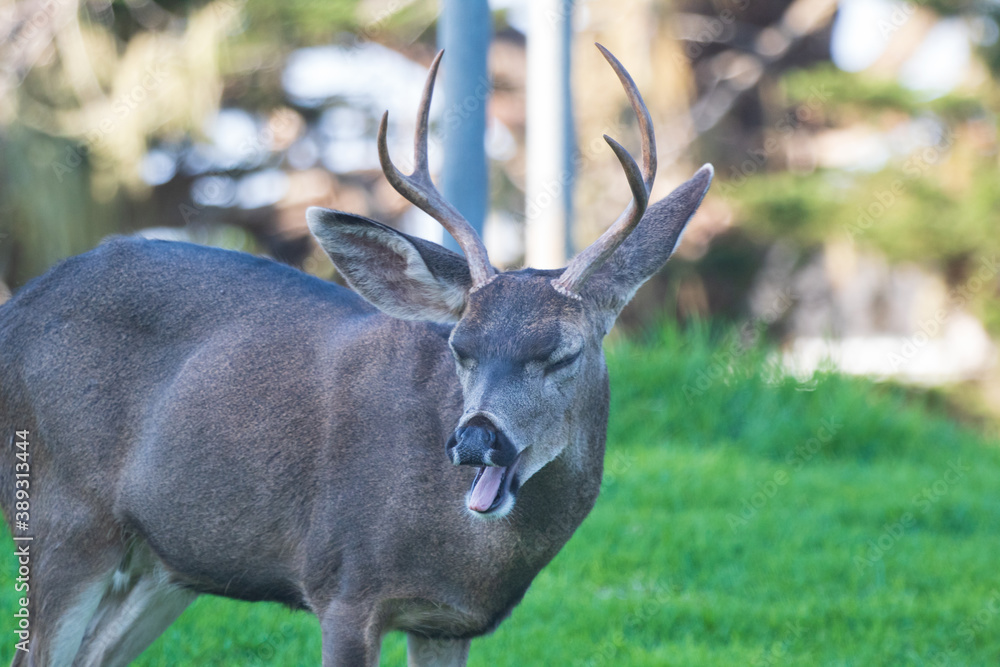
point(746, 519)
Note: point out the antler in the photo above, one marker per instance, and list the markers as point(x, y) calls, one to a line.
point(591, 259)
point(419, 189)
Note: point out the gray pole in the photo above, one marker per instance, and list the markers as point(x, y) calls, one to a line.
point(569, 129)
point(465, 29)
point(550, 144)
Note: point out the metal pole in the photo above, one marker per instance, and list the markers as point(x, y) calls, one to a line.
point(464, 32)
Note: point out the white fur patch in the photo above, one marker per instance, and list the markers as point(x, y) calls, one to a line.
point(74, 623)
point(131, 618)
point(488, 281)
point(562, 290)
point(119, 581)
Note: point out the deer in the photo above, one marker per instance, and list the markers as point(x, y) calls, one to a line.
point(404, 456)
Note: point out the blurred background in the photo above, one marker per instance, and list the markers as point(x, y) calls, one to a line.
point(854, 141)
point(753, 511)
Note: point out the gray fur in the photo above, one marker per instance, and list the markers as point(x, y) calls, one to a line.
point(203, 421)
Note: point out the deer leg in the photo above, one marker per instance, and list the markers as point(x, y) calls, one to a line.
point(66, 608)
point(66, 600)
point(72, 560)
point(351, 636)
point(136, 609)
point(425, 652)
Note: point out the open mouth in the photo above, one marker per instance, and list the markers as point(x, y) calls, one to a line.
point(491, 487)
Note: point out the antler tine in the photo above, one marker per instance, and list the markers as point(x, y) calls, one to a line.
point(641, 114)
point(641, 183)
point(418, 188)
point(636, 182)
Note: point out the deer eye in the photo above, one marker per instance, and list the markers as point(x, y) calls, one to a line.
point(462, 356)
point(565, 362)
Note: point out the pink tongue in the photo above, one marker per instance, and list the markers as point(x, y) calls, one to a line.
point(485, 490)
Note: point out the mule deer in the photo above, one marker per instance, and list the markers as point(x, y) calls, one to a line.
point(204, 421)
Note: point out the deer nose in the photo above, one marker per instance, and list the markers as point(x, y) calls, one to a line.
point(480, 443)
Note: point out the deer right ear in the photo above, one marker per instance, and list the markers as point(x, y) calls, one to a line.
point(399, 274)
point(648, 247)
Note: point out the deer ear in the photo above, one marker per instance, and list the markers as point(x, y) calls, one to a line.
point(648, 247)
point(401, 275)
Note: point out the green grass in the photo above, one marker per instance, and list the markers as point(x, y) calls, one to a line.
point(747, 519)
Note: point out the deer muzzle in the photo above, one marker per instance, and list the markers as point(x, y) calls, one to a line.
point(480, 443)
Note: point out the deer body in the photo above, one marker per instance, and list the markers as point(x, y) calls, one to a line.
point(255, 419)
point(203, 421)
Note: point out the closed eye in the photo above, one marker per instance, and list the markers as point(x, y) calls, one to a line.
point(463, 358)
point(565, 362)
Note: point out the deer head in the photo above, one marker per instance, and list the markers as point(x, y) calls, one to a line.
point(526, 343)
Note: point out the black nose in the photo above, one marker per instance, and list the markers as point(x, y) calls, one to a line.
point(480, 443)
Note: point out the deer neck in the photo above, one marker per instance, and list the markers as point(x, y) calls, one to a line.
point(555, 501)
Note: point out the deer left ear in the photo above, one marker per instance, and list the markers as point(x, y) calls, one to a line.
point(648, 247)
point(399, 274)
